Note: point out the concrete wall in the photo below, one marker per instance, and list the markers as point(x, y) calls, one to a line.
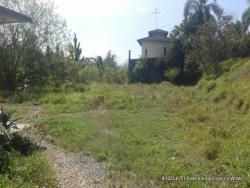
point(155, 49)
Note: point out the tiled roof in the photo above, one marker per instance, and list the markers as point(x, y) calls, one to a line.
point(10, 16)
point(154, 39)
point(157, 35)
point(158, 31)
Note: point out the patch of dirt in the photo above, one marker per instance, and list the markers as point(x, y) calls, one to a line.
point(34, 112)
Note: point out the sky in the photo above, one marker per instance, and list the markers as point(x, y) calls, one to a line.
point(116, 25)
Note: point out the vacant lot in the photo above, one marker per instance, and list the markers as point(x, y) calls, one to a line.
point(144, 132)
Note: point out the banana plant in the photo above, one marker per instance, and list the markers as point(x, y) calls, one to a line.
point(6, 120)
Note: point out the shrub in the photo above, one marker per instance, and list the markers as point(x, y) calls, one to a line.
point(19, 162)
point(6, 119)
point(23, 145)
point(172, 74)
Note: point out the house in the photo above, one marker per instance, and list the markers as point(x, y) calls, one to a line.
point(10, 16)
point(154, 47)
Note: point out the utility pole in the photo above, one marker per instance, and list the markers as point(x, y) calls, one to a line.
point(156, 12)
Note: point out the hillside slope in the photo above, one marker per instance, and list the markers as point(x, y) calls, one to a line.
point(232, 87)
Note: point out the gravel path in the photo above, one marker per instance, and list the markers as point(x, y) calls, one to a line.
point(72, 170)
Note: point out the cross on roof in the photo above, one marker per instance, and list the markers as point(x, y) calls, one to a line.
point(156, 18)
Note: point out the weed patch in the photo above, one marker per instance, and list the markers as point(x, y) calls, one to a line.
point(211, 150)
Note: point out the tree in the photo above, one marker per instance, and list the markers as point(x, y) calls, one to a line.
point(24, 44)
point(198, 12)
point(36, 67)
point(246, 19)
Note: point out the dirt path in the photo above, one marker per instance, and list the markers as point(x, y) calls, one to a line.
point(72, 170)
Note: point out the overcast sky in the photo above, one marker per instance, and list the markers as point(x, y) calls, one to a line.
point(103, 25)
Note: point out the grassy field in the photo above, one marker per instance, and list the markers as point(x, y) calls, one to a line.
point(144, 132)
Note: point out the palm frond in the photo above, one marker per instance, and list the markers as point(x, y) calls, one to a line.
point(246, 13)
point(246, 20)
point(216, 8)
point(190, 7)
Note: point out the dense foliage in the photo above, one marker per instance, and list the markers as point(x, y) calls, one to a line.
point(41, 54)
point(105, 70)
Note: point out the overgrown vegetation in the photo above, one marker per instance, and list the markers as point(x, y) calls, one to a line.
point(21, 164)
point(144, 132)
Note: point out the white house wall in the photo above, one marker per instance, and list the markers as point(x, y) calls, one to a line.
point(154, 49)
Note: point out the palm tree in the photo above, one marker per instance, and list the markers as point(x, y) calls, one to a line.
point(200, 11)
point(246, 19)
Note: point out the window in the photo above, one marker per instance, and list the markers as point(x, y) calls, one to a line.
point(165, 51)
point(146, 52)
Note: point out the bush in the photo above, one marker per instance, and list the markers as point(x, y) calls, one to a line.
point(111, 75)
point(172, 74)
point(23, 145)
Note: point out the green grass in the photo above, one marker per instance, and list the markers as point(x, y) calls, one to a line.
point(28, 171)
point(144, 132)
